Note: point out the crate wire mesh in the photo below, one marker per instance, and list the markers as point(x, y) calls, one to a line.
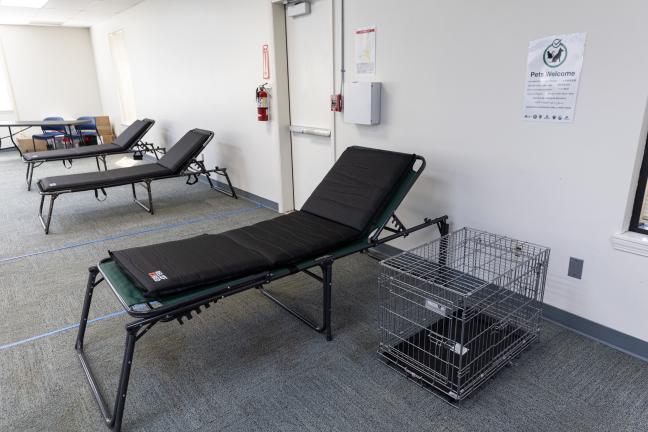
point(456, 310)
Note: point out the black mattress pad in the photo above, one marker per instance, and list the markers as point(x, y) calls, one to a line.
point(99, 179)
point(133, 133)
point(187, 148)
point(340, 210)
point(358, 186)
point(73, 153)
point(174, 266)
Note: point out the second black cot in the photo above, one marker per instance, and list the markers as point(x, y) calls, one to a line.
point(181, 160)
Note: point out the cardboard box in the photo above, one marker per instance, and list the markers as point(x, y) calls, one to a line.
point(107, 138)
point(26, 145)
point(105, 130)
point(102, 121)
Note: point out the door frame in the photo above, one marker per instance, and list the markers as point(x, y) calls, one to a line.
point(280, 106)
point(280, 100)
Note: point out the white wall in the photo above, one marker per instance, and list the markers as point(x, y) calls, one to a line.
point(52, 71)
point(196, 63)
point(453, 77)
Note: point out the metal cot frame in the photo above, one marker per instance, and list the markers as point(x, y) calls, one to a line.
point(192, 170)
point(148, 312)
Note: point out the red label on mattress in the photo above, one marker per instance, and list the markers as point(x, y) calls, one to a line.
point(157, 276)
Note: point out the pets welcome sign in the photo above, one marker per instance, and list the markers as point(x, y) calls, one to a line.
point(553, 72)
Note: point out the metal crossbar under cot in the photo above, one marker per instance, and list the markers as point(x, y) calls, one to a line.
point(456, 310)
point(148, 312)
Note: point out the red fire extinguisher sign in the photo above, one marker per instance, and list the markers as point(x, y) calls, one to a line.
point(266, 62)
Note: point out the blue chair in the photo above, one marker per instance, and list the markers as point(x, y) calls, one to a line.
point(88, 129)
point(51, 133)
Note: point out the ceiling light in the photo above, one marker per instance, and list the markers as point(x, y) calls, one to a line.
point(24, 3)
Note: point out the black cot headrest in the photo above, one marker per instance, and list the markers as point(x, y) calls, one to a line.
point(133, 133)
point(358, 186)
point(187, 148)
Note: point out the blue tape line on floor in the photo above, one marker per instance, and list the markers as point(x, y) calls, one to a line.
point(57, 331)
point(218, 215)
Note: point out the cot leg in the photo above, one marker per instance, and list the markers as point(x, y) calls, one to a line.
point(223, 172)
point(150, 197)
point(103, 158)
point(92, 276)
point(46, 222)
point(327, 273)
point(209, 180)
point(147, 186)
point(30, 174)
point(220, 171)
point(229, 183)
point(326, 265)
point(97, 160)
point(112, 420)
point(124, 377)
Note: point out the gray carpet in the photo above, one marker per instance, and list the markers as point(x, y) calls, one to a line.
point(245, 364)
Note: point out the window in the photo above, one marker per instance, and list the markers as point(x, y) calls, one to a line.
point(124, 81)
point(6, 96)
point(639, 220)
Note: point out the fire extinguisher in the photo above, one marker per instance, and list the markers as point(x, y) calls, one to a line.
point(262, 103)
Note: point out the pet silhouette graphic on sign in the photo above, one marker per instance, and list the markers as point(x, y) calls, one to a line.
point(555, 54)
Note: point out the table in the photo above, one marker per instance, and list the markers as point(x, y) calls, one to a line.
point(26, 124)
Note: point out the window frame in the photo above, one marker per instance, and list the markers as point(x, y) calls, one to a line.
point(4, 70)
point(640, 195)
point(123, 76)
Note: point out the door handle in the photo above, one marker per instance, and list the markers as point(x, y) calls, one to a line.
point(310, 131)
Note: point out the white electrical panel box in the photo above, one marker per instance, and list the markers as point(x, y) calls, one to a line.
point(298, 9)
point(362, 103)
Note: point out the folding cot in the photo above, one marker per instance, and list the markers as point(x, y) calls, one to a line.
point(347, 213)
point(129, 141)
point(181, 160)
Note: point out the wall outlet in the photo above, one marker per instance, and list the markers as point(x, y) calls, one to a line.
point(575, 269)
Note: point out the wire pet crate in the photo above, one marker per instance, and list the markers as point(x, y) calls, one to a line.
point(456, 310)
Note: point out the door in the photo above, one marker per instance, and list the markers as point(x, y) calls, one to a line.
point(310, 78)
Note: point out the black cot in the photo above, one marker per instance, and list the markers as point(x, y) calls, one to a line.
point(129, 141)
point(352, 210)
point(180, 161)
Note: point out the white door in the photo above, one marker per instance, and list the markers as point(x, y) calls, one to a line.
point(310, 78)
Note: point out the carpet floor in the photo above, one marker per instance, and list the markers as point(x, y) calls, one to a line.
point(245, 365)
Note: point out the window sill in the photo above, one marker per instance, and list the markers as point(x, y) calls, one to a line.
point(631, 242)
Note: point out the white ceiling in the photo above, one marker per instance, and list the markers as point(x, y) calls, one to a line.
point(71, 13)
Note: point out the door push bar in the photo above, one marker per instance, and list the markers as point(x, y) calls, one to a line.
point(310, 131)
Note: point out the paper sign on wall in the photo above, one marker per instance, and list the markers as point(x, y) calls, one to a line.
point(365, 50)
point(553, 72)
